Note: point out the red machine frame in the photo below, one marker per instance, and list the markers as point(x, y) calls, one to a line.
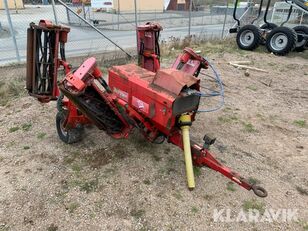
point(88, 74)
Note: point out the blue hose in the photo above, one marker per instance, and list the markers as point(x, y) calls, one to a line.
point(214, 93)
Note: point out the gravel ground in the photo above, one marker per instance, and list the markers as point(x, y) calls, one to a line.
point(106, 184)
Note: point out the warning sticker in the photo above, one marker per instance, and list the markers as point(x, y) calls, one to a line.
point(140, 105)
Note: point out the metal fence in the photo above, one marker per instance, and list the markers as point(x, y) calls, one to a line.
point(97, 32)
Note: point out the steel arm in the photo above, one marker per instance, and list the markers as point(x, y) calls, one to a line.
point(202, 157)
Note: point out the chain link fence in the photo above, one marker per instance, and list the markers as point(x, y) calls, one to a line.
point(90, 27)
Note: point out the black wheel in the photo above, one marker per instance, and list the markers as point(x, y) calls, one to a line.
point(248, 37)
point(281, 40)
point(268, 26)
point(67, 136)
point(301, 42)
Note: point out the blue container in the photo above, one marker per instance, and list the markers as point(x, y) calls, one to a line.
point(45, 2)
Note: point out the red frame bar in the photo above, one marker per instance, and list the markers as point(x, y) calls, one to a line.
point(202, 157)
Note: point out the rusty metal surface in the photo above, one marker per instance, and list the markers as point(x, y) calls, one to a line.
point(49, 26)
point(30, 33)
point(133, 71)
point(151, 26)
point(42, 59)
point(173, 80)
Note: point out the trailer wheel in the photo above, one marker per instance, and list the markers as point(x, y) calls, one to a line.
point(248, 37)
point(268, 26)
point(301, 42)
point(281, 40)
point(67, 136)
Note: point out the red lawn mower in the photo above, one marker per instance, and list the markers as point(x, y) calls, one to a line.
point(161, 103)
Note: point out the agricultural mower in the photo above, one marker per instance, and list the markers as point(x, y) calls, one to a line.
point(280, 40)
point(161, 103)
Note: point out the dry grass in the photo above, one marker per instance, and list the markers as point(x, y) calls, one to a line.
point(10, 90)
point(206, 46)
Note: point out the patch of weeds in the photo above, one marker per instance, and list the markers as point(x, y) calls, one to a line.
point(271, 64)
point(72, 207)
point(26, 127)
point(26, 147)
point(41, 135)
point(137, 213)
point(302, 191)
point(162, 171)
point(147, 182)
point(178, 195)
point(1, 158)
point(194, 209)
point(59, 197)
point(89, 186)
point(52, 227)
point(300, 123)
point(305, 226)
point(230, 186)
point(273, 117)
point(69, 159)
point(4, 227)
point(252, 180)
point(14, 129)
point(227, 118)
point(254, 204)
point(197, 171)
point(260, 116)
point(11, 90)
point(253, 88)
point(227, 109)
point(11, 144)
point(76, 168)
point(248, 127)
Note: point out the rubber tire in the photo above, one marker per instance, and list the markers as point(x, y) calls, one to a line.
point(257, 37)
point(268, 26)
point(289, 33)
point(70, 136)
point(303, 30)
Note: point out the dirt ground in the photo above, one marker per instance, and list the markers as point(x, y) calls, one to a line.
point(106, 184)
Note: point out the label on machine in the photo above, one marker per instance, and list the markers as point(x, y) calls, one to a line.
point(140, 105)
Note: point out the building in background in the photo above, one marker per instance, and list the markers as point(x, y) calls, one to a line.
point(13, 4)
point(128, 6)
point(182, 5)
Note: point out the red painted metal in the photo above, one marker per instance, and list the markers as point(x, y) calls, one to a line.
point(146, 97)
point(150, 94)
point(190, 62)
point(148, 46)
point(179, 79)
point(202, 157)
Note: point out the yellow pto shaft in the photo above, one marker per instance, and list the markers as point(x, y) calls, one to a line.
point(185, 123)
